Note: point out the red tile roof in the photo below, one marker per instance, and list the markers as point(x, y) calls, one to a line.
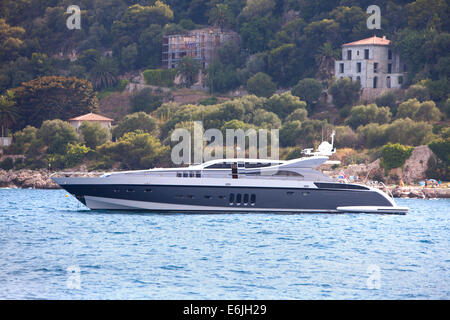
point(91, 117)
point(372, 40)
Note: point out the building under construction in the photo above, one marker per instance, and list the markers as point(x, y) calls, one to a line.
point(201, 45)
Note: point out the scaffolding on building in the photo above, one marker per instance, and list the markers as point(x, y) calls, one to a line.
point(201, 45)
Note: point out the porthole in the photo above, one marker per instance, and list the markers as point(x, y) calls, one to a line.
point(245, 199)
point(231, 198)
point(130, 190)
point(253, 199)
point(238, 199)
point(208, 197)
point(290, 193)
point(148, 190)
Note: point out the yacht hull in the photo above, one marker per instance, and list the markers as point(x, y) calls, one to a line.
point(209, 198)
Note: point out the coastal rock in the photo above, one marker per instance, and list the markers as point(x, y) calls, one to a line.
point(26, 179)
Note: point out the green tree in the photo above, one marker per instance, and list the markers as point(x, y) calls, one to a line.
point(104, 73)
point(428, 112)
point(309, 90)
point(362, 115)
point(325, 61)
point(221, 78)
point(387, 99)
point(23, 140)
point(8, 111)
point(408, 109)
point(298, 114)
point(10, 40)
point(57, 134)
point(93, 134)
point(290, 133)
point(53, 97)
point(441, 148)
point(145, 100)
point(221, 16)
point(284, 104)
point(136, 150)
point(345, 92)
point(188, 68)
point(266, 119)
point(137, 121)
point(261, 85)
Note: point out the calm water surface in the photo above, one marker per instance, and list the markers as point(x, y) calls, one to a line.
point(45, 235)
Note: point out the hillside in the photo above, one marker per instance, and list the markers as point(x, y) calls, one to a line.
point(284, 57)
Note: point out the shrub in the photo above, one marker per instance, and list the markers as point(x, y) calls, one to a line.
point(159, 77)
point(394, 155)
point(7, 164)
point(75, 154)
point(209, 101)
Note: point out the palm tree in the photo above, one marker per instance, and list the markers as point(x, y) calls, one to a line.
point(103, 73)
point(8, 111)
point(325, 61)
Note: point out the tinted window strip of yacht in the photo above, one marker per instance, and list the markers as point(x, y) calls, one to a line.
point(324, 185)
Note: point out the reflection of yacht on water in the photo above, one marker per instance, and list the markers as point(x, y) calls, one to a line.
point(231, 185)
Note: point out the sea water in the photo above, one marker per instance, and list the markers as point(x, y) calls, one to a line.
point(52, 247)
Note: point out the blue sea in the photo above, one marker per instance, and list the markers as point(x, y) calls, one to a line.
point(52, 247)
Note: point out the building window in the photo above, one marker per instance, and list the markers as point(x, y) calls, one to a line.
point(351, 78)
point(358, 78)
point(389, 54)
point(404, 68)
point(375, 82)
point(375, 67)
point(341, 68)
point(389, 67)
point(358, 67)
point(400, 80)
point(349, 54)
point(388, 82)
point(366, 53)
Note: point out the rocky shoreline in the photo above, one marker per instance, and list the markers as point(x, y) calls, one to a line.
point(40, 179)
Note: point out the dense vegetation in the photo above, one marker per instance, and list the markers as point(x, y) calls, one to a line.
point(288, 45)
